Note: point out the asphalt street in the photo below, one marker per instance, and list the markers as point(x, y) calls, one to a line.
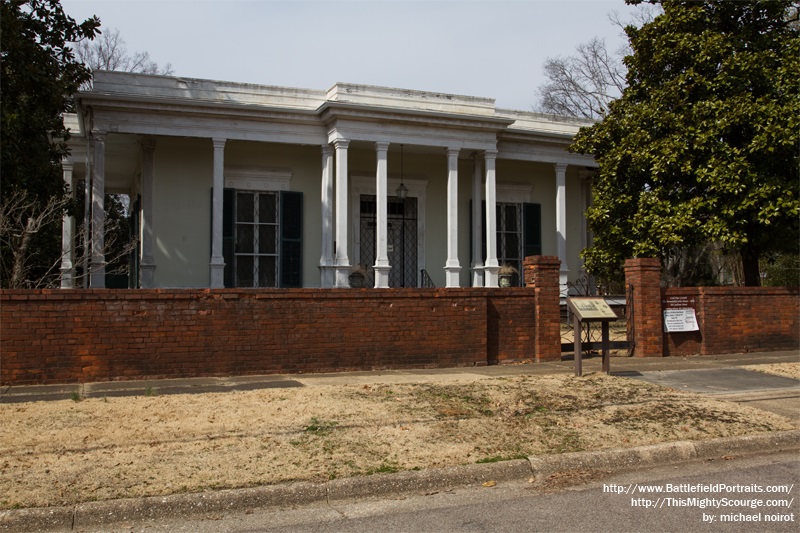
point(708, 496)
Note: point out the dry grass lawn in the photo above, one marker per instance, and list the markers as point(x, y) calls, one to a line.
point(65, 452)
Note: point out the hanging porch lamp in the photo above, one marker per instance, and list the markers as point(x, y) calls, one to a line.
point(402, 190)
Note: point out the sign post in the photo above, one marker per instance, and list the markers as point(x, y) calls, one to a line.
point(590, 309)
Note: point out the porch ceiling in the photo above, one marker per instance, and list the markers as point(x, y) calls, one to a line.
point(122, 161)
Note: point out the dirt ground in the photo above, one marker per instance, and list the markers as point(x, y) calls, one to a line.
point(65, 452)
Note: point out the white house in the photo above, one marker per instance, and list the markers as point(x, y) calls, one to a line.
point(262, 186)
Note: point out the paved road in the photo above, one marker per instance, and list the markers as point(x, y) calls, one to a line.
point(520, 507)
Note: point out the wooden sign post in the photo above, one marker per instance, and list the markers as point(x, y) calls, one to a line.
point(590, 309)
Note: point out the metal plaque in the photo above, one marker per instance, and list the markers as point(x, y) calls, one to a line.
point(591, 309)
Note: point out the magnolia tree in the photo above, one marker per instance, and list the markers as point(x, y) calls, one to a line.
point(702, 146)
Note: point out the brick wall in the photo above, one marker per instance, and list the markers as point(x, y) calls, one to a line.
point(738, 319)
point(62, 336)
point(730, 319)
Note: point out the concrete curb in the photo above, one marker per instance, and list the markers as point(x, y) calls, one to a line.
point(383, 485)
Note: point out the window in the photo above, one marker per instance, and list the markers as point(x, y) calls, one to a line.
point(256, 239)
point(509, 236)
point(262, 238)
point(519, 233)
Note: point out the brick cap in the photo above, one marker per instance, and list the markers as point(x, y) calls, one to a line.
point(548, 260)
point(643, 262)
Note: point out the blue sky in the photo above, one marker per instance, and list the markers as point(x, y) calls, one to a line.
point(488, 48)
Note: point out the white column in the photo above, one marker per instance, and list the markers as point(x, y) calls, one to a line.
point(97, 266)
point(87, 212)
point(382, 266)
point(326, 259)
point(147, 265)
point(67, 235)
point(217, 264)
point(586, 234)
point(342, 262)
point(477, 226)
point(492, 266)
point(452, 268)
point(561, 224)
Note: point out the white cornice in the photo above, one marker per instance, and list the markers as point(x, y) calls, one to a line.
point(258, 179)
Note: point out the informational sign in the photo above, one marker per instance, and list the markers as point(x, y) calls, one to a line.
point(679, 313)
point(676, 320)
point(680, 302)
point(591, 309)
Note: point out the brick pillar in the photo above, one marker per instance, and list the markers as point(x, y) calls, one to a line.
point(541, 273)
point(645, 330)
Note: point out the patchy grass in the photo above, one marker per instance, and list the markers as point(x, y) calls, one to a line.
point(66, 452)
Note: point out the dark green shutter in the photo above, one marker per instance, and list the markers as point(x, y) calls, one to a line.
point(228, 231)
point(291, 253)
point(531, 229)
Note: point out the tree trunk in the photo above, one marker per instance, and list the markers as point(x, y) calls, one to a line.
point(752, 275)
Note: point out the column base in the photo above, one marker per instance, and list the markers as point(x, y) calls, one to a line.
point(563, 278)
point(67, 278)
point(147, 273)
point(217, 273)
point(477, 275)
point(327, 276)
point(451, 276)
point(491, 277)
point(381, 276)
point(342, 280)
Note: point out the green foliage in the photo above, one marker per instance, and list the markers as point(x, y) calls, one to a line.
point(782, 270)
point(319, 427)
point(703, 144)
point(38, 78)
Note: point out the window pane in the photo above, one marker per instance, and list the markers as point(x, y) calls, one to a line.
point(511, 218)
point(368, 205)
point(244, 271)
point(244, 239)
point(267, 207)
point(512, 246)
point(267, 243)
point(245, 208)
point(267, 272)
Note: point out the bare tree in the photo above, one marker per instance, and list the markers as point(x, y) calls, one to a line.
point(582, 85)
point(22, 217)
point(109, 52)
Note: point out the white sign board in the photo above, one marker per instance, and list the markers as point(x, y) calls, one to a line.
point(680, 320)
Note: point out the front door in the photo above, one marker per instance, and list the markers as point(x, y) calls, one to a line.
point(401, 239)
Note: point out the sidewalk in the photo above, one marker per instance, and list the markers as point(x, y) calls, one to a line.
point(720, 376)
point(620, 366)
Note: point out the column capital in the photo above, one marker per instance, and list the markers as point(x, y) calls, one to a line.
point(452, 151)
point(327, 149)
point(99, 135)
point(218, 142)
point(490, 154)
point(341, 144)
point(67, 165)
point(560, 167)
point(381, 146)
point(148, 144)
